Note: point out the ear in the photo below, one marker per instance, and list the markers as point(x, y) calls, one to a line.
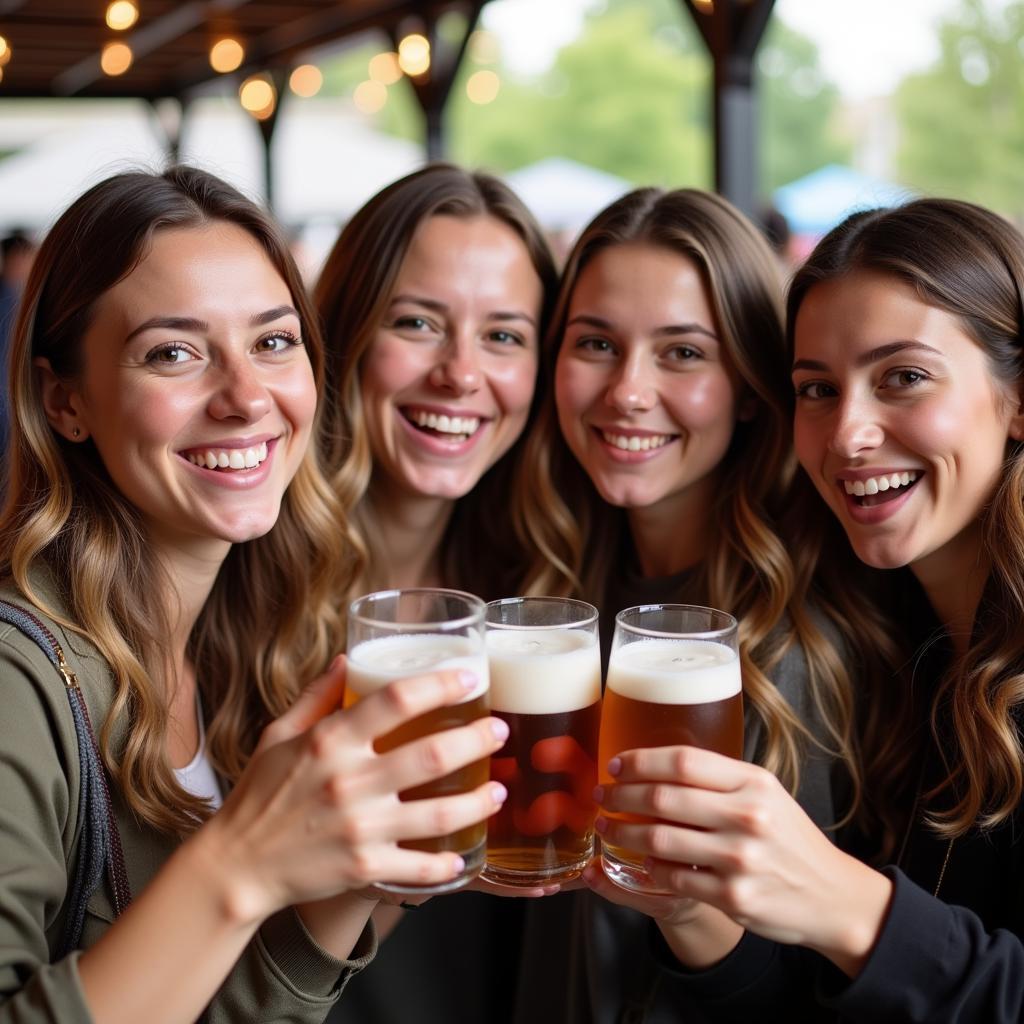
point(61, 403)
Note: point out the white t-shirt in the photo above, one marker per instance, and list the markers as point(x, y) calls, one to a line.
point(197, 777)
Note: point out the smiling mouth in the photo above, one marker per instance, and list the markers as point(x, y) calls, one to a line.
point(228, 459)
point(634, 442)
point(448, 428)
point(878, 490)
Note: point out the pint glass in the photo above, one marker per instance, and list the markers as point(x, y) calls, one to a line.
point(673, 678)
point(545, 668)
point(393, 634)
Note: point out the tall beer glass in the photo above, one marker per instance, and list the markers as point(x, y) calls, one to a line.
point(393, 634)
point(545, 667)
point(673, 678)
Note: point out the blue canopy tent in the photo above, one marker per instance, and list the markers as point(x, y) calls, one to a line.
point(818, 201)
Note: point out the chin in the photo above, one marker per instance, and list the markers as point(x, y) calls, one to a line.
point(882, 557)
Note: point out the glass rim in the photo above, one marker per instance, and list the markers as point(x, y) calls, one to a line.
point(461, 622)
point(669, 634)
point(592, 616)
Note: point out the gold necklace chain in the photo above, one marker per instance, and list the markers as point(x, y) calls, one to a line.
point(945, 864)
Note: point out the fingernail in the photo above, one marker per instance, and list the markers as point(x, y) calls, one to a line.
point(500, 729)
point(498, 792)
point(615, 766)
point(600, 824)
point(599, 794)
point(467, 680)
point(458, 865)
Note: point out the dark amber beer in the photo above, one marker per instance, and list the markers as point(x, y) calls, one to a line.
point(666, 691)
point(545, 671)
point(387, 651)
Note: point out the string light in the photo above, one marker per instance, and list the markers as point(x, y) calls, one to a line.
point(306, 80)
point(122, 14)
point(384, 68)
point(370, 96)
point(258, 96)
point(5, 51)
point(414, 55)
point(116, 58)
point(226, 55)
point(482, 87)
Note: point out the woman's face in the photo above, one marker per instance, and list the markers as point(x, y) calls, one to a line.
point(645, 399)
point(196, 389)
point(449, 377)
point(899, 421)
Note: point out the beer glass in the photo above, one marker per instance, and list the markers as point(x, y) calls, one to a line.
point(393, 634)
point(545, 667)
point(673, 678)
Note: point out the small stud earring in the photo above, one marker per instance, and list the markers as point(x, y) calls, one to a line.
point(76, 433)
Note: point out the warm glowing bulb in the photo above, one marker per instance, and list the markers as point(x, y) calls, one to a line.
point(5, 51)
point(306, 80)
point(414, 54)
point(369, 97)
point(122, 14)
point(258, 97)
point(482, 86)
point(116, 58)
point(704, 6)
point(226, 55)
point(384, 68)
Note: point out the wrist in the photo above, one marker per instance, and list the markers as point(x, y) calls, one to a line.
point(231, 884)
point(701, 937)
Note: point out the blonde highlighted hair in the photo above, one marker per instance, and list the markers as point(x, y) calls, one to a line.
point(500, 539)
point(269, 623)
point(747, 569)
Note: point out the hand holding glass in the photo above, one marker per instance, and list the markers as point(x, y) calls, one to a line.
point(393, 634)
point(673, 679)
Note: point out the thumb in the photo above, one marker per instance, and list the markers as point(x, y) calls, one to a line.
point(319, 699)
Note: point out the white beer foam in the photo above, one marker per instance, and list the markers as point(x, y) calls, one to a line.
point(539, 671)
point(375, 663)
point(674, 671)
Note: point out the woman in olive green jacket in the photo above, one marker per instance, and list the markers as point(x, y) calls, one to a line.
point(165, 518)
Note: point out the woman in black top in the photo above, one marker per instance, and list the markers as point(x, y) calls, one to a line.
point(906, 331)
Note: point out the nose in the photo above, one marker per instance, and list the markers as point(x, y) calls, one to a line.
point(239, 393)
point(458, 367)
point(631, 388)
point(855, 429)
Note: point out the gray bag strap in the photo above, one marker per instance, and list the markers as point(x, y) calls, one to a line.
point(100, 847)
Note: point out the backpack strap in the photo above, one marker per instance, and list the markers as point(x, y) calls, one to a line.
point(100, 848)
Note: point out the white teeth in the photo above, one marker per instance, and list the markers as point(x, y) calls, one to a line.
point(878, 483)
point(635, 443)
point(229, 458)
point(446, 424)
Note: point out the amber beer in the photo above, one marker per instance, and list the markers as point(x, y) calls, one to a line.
point(546, 685)
point(397, 654)
point(665, 692)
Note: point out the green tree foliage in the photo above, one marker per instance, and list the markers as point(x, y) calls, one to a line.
point(631, 96)
point(962, 121)
point(798, 109)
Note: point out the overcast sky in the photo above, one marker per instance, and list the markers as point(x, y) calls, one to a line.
point(866, 46)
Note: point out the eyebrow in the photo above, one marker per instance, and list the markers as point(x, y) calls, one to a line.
point(194, 325)
point(669, 330)
point(872, 356)
point(441, 307)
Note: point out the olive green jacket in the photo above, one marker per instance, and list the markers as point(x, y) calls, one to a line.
point(283, 975)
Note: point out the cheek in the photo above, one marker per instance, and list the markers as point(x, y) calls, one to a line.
point(706, 403)
point(514, 384)
point(576, 388)
point(388, 368)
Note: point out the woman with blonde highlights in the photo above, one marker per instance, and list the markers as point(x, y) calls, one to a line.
point(167, 524)
point(435, 300)
point(677, 463)
point(906, 330)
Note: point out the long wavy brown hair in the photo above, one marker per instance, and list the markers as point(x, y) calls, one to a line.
point(748, 569)
point(969, 262)
point(501, 539)
point(269, 622)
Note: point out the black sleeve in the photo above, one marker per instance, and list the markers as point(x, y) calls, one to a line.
point(932, 963)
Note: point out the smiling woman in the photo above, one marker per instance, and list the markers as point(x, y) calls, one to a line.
point(168, 535)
